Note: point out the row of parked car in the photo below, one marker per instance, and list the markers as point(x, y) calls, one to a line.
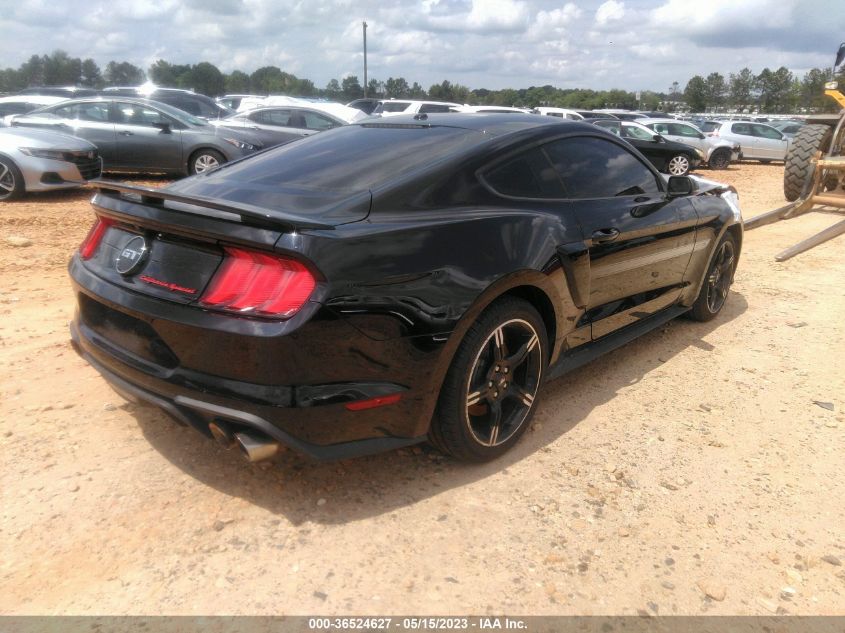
point(170, 131)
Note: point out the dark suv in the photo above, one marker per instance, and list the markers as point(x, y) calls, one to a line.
point(190, 102)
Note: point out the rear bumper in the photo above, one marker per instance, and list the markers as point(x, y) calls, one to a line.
point(198, 413)
point(291, 385)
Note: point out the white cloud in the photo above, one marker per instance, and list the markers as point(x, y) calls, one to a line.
point(610, 11)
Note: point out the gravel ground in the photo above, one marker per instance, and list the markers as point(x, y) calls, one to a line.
point(696, 470)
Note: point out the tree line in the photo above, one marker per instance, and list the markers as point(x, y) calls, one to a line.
point(769, 91)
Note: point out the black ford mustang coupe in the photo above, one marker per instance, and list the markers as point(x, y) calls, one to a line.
point(386, 283)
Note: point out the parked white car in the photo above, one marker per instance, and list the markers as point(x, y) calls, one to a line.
point(718, 152)
point(393, 107)
point(275, 123)
point(759, 141)
point(492, 109)
point(561, 113)
point(21, 104)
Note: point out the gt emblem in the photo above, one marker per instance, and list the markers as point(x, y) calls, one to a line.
point(132, 256)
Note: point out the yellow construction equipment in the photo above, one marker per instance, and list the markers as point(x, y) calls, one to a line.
point(814, 173)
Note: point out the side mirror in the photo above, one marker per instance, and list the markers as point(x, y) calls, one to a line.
point(659, 139)
point(700, 135)
point(681, 186)
point(163, 126)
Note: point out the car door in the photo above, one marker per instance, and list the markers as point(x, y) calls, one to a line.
point(742, 133)
point(639, 240)
point(772, 144)
point(147, 139)
point(276, 126)
point(687, 134)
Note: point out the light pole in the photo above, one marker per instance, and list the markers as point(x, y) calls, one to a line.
point(365, 59)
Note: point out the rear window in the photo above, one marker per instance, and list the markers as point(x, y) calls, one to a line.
point(350, 158)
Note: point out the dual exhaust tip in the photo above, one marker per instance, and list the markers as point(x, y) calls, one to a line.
point(253, 446)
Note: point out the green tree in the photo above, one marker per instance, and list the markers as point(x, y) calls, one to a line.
point(741, 89)
point(206, 79)
point(237, 82)
point(417, 92)
point(375, 88)
point(270, 80)
point(91, 76)
point(163, 73)
point(695, 94)
point(123, 74)
point(32, 71)
point(775, 89)
point(396, 88)
point(61, 70)
point(351, 88)
point(812, 89)
point(333, 90)
point(715, 89)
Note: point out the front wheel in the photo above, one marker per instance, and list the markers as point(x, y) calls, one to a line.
point(678, 165)
point(205, 160)
point(720, 159)
point(720, 273)
point(11, 180)
point(490, 391)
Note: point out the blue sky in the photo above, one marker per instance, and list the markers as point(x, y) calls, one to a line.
point(629, 44)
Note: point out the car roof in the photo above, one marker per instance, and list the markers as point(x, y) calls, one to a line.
point(492, 123)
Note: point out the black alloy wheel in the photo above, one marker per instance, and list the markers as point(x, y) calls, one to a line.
point(720, 159)
point(717, 283)
point(491, 389)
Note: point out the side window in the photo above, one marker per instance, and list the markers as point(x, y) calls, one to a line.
point(661, 128)
point(433, 107)
point(136, 114)
point(597, 168)
point(315, 121)
point(203, 108)
point(187, 105)
point(527, 175)
point(277, 117)
point(394, 106)
point(679, 129)
point(765, 131)
point(741, 128)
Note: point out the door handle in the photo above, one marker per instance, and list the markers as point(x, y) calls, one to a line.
point(605, 235)
point(126, 133)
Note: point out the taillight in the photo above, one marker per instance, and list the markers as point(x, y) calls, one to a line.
point(95, 236)
point(256, 283)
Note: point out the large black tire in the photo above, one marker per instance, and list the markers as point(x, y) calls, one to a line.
point(798, 169)
point(720, 158)
point(490, 392)
point(717, 281)
point(205, 160)
point(11, 180)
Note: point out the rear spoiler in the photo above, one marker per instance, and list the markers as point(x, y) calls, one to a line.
point(249, 213)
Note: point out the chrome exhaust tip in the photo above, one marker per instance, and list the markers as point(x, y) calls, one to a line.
point(256, 448)
point(221, 433)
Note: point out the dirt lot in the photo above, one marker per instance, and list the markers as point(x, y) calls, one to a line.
point(689, 472)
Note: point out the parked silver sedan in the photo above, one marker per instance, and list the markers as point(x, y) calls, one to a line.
point(42, 160)
point(139, 135)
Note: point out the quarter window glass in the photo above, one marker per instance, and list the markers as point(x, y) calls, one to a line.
point(598, 168)
point(528, 175)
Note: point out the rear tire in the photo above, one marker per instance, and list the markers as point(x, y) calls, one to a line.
point(11, 180)
point(720, 158)
point(717, 281)
point(799, 169)
point(490, 392)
